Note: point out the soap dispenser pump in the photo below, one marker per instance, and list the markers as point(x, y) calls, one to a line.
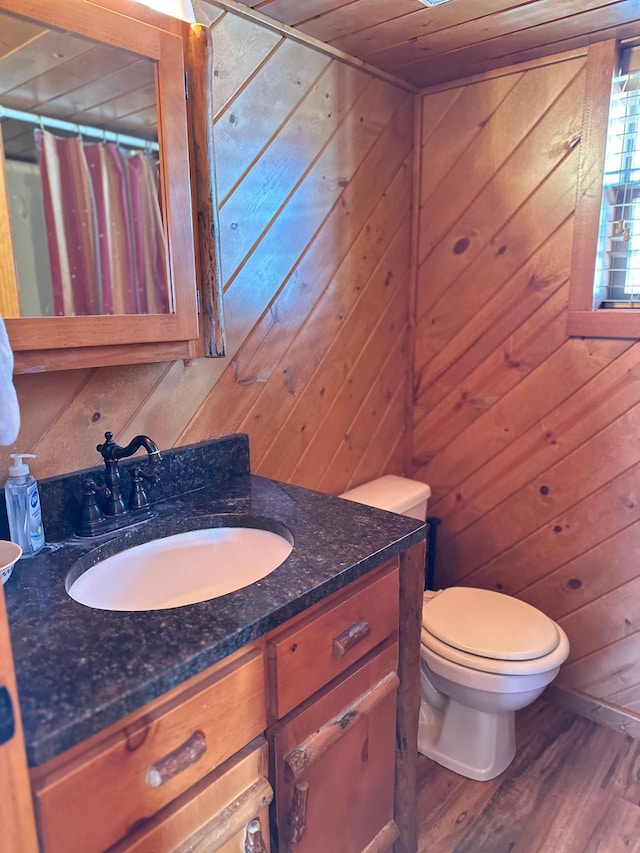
point(23, 506)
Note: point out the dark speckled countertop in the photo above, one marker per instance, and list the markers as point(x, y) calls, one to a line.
point(80, 669)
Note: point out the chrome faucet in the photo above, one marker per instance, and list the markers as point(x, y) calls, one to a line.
point(111, 453)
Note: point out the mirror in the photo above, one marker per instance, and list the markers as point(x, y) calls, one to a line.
point(104, 87)
point(79, 129)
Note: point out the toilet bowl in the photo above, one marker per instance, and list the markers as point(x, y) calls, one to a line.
point(484, 655)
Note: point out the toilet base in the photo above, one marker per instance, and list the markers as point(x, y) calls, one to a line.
point(476, 744)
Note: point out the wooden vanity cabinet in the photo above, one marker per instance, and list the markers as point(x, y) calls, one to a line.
point(192, 771)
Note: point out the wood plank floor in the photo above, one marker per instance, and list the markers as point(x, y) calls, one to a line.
point(574, 787)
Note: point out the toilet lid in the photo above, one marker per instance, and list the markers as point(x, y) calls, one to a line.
point(489, 624)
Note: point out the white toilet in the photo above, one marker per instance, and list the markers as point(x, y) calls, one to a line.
point(484, 656)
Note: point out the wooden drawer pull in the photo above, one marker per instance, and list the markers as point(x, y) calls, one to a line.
point(175, 762)
point(349, 638)
point(254, 842)
point(331, 732)
point(230, 820)
point(298, 813)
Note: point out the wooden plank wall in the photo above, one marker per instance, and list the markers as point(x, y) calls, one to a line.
point(315, 169)
point(528, 439)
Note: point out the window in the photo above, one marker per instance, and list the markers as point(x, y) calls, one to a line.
point(617, 275)
point(605, 275)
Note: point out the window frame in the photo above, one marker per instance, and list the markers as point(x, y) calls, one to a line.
point(584, 317)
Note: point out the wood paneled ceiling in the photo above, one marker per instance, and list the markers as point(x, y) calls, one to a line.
point(428, 45)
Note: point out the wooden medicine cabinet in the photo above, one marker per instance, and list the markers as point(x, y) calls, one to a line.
point(93, 120)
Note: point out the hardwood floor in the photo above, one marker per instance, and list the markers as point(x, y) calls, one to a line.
point(574, 787)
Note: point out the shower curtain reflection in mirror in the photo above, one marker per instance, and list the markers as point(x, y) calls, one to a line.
point(103, 230)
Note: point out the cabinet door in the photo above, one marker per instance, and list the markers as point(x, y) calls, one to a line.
point(334, 763)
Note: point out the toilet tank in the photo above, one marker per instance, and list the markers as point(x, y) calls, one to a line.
point(395, 494)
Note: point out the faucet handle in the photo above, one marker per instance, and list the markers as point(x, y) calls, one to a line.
point(91, 514)
point(90, 487)
point(138, 474)
point(139, 498)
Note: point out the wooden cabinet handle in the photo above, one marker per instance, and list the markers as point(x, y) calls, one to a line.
point(298, 813)
point(254, 842)
point(176, 761)
point(229, 822)
point(349, 638)
point(331, 732)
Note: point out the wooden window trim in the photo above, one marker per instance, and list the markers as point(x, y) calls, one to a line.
point(584, 318)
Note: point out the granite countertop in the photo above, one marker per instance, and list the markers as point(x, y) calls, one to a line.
point(80, 669)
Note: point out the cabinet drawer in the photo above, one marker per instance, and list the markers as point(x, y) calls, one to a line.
point(216, 813)
point(329, 639)
point(96, 798)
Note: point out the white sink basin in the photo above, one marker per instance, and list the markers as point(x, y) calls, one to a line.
point(181, 569)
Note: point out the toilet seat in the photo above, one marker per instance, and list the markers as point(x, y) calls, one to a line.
point(499, 667)
point(511, 638)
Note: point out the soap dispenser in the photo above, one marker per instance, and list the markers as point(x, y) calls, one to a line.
point(23, 506)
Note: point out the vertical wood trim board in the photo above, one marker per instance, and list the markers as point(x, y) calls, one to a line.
point(314, 172)
point(528, 439)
